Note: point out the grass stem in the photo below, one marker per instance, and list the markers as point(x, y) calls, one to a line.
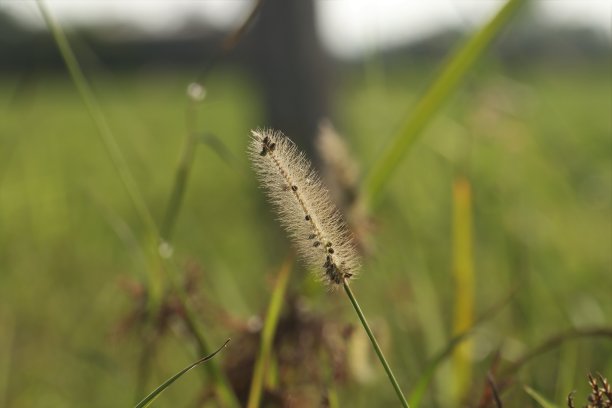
point(226, 395)
point(112, 147)
point(377, 349)
point(182, 174)
point(100, 122)
point(267, 334)
point(119, 162)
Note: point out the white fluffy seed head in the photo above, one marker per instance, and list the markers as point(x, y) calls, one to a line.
point(303, 205)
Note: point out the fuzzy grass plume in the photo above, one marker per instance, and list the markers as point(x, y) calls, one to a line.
point(340, 171)
point(313, 222)
point(304, 206)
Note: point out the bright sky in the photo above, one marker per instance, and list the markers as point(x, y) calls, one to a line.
point(347, 27)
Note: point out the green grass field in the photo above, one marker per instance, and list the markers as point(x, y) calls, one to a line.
point(535, 144)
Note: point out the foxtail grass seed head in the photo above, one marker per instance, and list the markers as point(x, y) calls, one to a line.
point(340, 169)
point(303, 205)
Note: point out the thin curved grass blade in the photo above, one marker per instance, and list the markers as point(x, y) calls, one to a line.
point(152, 396)
point(418, 391)
point(537, 397)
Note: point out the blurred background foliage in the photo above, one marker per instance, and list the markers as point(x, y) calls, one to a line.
point(528, 132)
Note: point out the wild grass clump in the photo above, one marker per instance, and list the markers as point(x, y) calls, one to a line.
point(274, 365)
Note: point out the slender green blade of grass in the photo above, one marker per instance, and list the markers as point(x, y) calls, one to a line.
point(120, 164)
point(153, 395)
point(463, 274)
point(112, 148)
point(93, 108)
point(418, 391)
point(438, 93)
point(191, 142)
point(539, 398)
point(223, 388)
point(267, 335)
point(569, 358)
point(182, 173)
point(553, 342)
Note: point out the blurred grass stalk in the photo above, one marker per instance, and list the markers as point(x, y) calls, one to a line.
point(93, 108)
point(427, 374)
point(222, 387)
point(463, 276)
point(112, 148)
point(183, 169)
point(268, 332)
point(7, 354)
point(450, 77)
point(539, 398)
point(156, 279)
point(195, 93)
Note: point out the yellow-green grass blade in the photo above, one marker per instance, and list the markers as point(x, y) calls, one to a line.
point(463, 277)
point(267, 334)
point(148, 400)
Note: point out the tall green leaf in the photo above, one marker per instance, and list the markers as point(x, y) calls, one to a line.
point(438, 93)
